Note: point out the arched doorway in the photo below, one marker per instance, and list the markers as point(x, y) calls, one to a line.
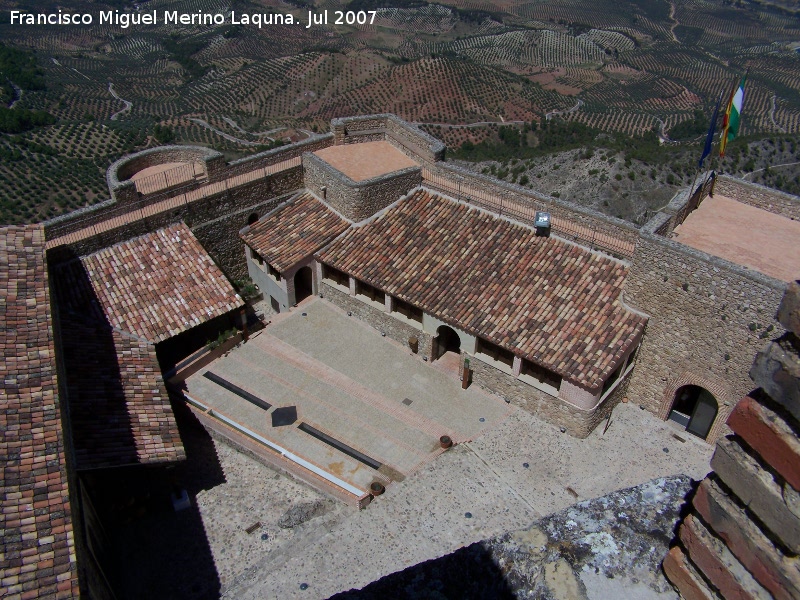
point(446, 340)
point(303, 284)
point(252, 218)
point(695, 408)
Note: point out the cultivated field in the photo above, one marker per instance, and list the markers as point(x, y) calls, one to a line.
point(621, 67)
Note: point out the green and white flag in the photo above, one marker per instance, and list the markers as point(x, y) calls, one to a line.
point(733, 116)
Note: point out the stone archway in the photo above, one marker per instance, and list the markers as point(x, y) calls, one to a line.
point(303, 284)
point(718, 389)
point(446, 340)
point(694, 408)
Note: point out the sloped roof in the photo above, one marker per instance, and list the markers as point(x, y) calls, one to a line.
point(548, 301)
point(119, 408)
point(38, 553)
point(154, 286)
point(294, 231)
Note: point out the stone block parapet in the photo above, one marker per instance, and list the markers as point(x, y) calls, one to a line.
point(357, 200)
point(759, 196)
point(406, 137)
point(118, 175)
point(583, 225)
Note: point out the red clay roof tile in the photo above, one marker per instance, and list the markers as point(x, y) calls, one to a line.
point(154, 286)
point(546, 300)
point(38, 554)
point(294, 231)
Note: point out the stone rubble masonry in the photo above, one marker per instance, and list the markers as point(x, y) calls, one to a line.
point(708, 320)
point(354, 200)
point(407, 138)
point(771, 568)
point(577, 421)
point(682, 573)
point(210, 219)
point(391, 326)
point(769, 436)
point(716, 562)
point(789, 313)
point(758, 490)
point(744, 531)
point(762, 197)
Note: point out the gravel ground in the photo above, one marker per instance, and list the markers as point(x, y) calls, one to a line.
point(514, 474)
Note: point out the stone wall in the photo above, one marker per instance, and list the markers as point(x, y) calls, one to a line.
point(741, 535)
point(215, 220)
point(119, 173)
point(708, 317)
point(572, 221)
point(759, 196)
point(577, 421)
point(393, 328)
point(276, 155)
point(220, 236)
point(357, 200)
point(407, 138)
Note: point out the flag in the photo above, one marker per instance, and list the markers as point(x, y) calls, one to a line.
point(710, 136)
point(732, 117)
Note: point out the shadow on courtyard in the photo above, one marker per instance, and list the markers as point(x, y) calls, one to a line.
point(469, 573)
point(159, 552)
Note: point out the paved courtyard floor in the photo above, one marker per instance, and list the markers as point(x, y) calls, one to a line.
point(345, 380)
point(515, 469)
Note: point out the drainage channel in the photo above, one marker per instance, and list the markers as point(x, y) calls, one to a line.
point(237, 390)
point(341, 446)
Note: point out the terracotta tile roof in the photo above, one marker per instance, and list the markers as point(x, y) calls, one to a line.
point(119, 408)
point(37, 558)
point(154, 286)
point(546, 300)
point(294, 231)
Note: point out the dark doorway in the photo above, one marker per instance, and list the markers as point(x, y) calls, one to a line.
point(446, 340)
point(695, 408)
point(276, 308)
point(252, 218)
point(303, 285)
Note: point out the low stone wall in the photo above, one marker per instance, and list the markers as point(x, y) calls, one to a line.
point(578, 422)
point(584, 225)
point(274, 156)
point(119, 173)
point(393, 328)
point(215, 220)
point(357, 200)
point(708, 318)
point(759, 196)
point(409, 139)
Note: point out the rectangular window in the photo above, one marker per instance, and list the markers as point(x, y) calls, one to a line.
point(336, 276)
point(537, 374)
point(495, 352)
point(370, 292)
point(409, 311)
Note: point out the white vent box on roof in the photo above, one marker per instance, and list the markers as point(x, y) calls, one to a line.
point(542, 223)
